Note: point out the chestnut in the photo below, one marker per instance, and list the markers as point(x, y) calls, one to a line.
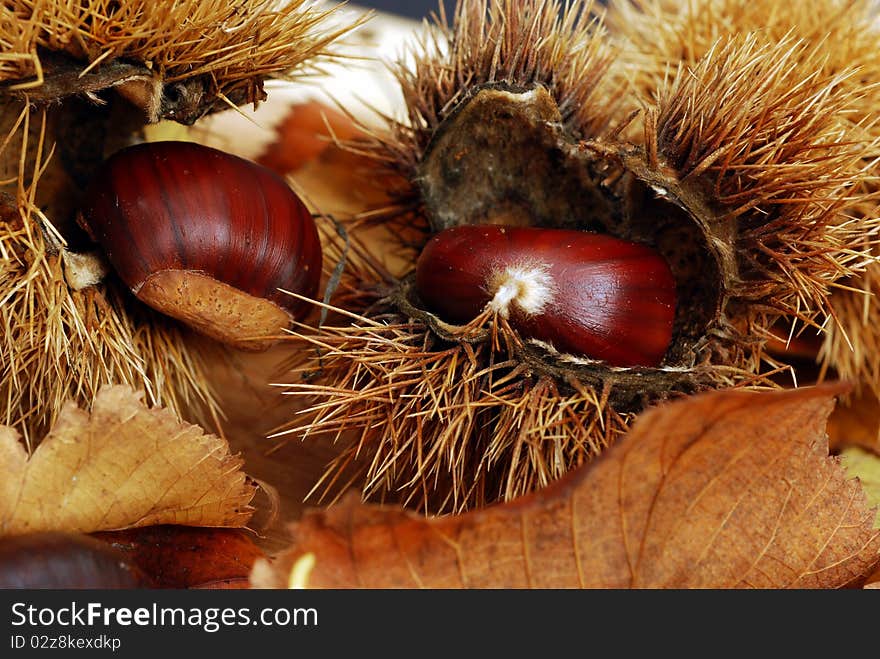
point(589, 295)
point(205, 237)
point(52, 560)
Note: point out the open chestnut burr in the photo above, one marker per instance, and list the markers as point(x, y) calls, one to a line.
point(206, 237)
point(735, 177)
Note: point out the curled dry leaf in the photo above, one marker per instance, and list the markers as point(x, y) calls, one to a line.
point(727, 489)
point(122, 466)
point(307, 130)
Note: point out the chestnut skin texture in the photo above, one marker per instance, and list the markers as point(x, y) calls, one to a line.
point(50, 560)
point(596, 296)
point(197, 212)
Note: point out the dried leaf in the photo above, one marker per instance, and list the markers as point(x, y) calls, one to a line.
point(856, 422)
point(726, 489)
point(865, 466)
point(122, 466)
point(184, 557)
point(307, 130)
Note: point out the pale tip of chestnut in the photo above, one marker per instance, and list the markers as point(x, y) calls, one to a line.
point(215, 309)
point(526, 286)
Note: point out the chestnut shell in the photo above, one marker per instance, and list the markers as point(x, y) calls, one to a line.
point(54, 560)
point(591, 295)
point(178, 216)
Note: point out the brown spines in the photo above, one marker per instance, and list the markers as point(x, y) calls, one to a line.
point(835, 41)
point(443, 427)
point(851, 343)
point(760, 127)
point(233, 46)
point(745, 161)
point(503, 42)
point(60, 344)
point(655, 36)
point(177, 60)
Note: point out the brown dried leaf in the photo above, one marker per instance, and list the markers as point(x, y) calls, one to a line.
point(856, 422)
point(726, 489)
point(120, 467)
point(307, 130)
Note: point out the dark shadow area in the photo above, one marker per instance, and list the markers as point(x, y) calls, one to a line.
point(417, 9)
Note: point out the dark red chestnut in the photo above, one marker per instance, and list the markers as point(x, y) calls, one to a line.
point(205, 237)
point(585, 294)
point(65, 560)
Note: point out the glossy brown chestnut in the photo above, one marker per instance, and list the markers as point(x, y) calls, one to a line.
point(65, 560)
point(586, 294)
point(205, 237)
